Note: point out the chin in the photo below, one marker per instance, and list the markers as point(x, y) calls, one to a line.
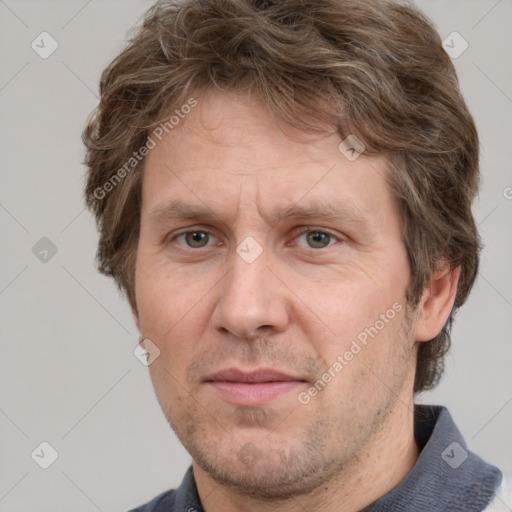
point(265, 472)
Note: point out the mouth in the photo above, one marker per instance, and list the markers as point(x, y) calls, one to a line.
point(254, 388)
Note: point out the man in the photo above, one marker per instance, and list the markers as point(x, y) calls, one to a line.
point(283, 191)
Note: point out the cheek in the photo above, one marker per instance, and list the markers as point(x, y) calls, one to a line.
point(368, 363)
point(174, 311)
point(162, 300)
point(354, 303)
point(365, 320)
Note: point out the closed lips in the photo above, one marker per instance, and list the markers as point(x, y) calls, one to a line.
point(254, 377)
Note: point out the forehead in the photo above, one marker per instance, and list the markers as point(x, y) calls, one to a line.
point(233, 152)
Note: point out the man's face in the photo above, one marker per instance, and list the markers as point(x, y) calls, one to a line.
point(253, 302)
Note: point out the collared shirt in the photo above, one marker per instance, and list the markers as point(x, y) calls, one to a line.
point(447, 477)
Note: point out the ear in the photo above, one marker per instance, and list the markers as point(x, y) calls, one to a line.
point(436, 303)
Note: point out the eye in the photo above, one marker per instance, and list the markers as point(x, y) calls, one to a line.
point(317, 239)
point(195, 239)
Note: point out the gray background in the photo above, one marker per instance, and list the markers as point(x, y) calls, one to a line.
point(67, 372)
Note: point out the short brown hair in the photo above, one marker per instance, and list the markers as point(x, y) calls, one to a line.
point(374, 68)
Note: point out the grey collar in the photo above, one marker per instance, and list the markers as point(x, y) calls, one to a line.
point(447, 476)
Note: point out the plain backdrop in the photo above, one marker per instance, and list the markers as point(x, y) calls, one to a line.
point(68, 376)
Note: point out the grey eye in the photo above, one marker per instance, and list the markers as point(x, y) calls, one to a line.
point(196, 239)
point(317, 239)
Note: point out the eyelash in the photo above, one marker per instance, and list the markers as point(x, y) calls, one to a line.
point(302, 231)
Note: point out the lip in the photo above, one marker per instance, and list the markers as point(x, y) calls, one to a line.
point(262, 375)
point(252, 388)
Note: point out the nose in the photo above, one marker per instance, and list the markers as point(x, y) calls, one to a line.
point(252, 300)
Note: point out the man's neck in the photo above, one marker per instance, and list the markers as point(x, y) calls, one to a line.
point(381, 466)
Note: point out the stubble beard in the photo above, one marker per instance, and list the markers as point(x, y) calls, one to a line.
point(286, 470)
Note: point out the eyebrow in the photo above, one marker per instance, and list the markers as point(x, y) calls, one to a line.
point(179, 210)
